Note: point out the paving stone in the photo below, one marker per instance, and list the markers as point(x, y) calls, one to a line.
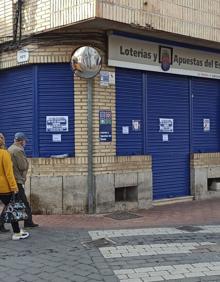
point(77, 278)
point(110, 279)
point(96, 277)
point(28, 277)
point(106, 272)
point(9, 278)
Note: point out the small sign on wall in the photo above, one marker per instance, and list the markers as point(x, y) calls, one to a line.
point(125, 129)
point(56, 138)
point(165, 138)
point(23, 56)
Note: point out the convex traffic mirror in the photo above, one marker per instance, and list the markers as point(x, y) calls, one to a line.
point(86, 62)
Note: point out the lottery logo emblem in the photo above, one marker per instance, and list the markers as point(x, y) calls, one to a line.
point(165, 57)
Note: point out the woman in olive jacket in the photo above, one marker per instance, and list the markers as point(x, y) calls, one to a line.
point(8, 186)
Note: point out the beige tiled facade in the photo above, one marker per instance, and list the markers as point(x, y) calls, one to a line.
point(185, 19)
point(198, 18)
point(6, 20)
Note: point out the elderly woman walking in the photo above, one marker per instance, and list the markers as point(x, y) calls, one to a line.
point(8, 186)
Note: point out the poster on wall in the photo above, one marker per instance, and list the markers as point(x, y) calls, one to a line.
point(57, 124)
point(107, 78)
point(136, 125)
point(111, 78)
point(105, 126)
point(206, 124)
point(104, 78)
point(166, 124)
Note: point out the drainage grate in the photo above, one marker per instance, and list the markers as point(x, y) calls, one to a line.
point(98, 243)
point(122, 215)
point(189, 228)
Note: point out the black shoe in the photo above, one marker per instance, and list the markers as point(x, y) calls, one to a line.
point(30, 225)
point(3, 229)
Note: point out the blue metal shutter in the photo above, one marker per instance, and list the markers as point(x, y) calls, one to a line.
point(16, 107)
point(55, 98)
point(206, 105)
point(168, 97)
point(129, 106)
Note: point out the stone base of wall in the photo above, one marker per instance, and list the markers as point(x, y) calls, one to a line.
point(59, 186)
point(106, 184)
point(205, 175)
point(58, 194)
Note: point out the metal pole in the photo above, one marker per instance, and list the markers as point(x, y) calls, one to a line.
point(91, 186)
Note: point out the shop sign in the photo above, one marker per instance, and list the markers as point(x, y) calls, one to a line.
point(146, 55)
point(105, 126)
point(57, 124)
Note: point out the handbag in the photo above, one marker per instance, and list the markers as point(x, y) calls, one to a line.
point(14, 211)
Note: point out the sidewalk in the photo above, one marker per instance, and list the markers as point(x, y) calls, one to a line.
point(64, 248)
point(187, 213)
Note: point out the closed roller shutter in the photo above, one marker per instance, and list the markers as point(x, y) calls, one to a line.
point(55, 98)
point(16, 108)
point(206, 105)
point(168, 98)
point(129, 106)
point(29, 94)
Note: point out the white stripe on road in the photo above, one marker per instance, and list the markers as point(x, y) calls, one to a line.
point(151, 249)
point(164, 273)
point(149, 231)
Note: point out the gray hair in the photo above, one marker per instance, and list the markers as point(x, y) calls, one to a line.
point(2, 146)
